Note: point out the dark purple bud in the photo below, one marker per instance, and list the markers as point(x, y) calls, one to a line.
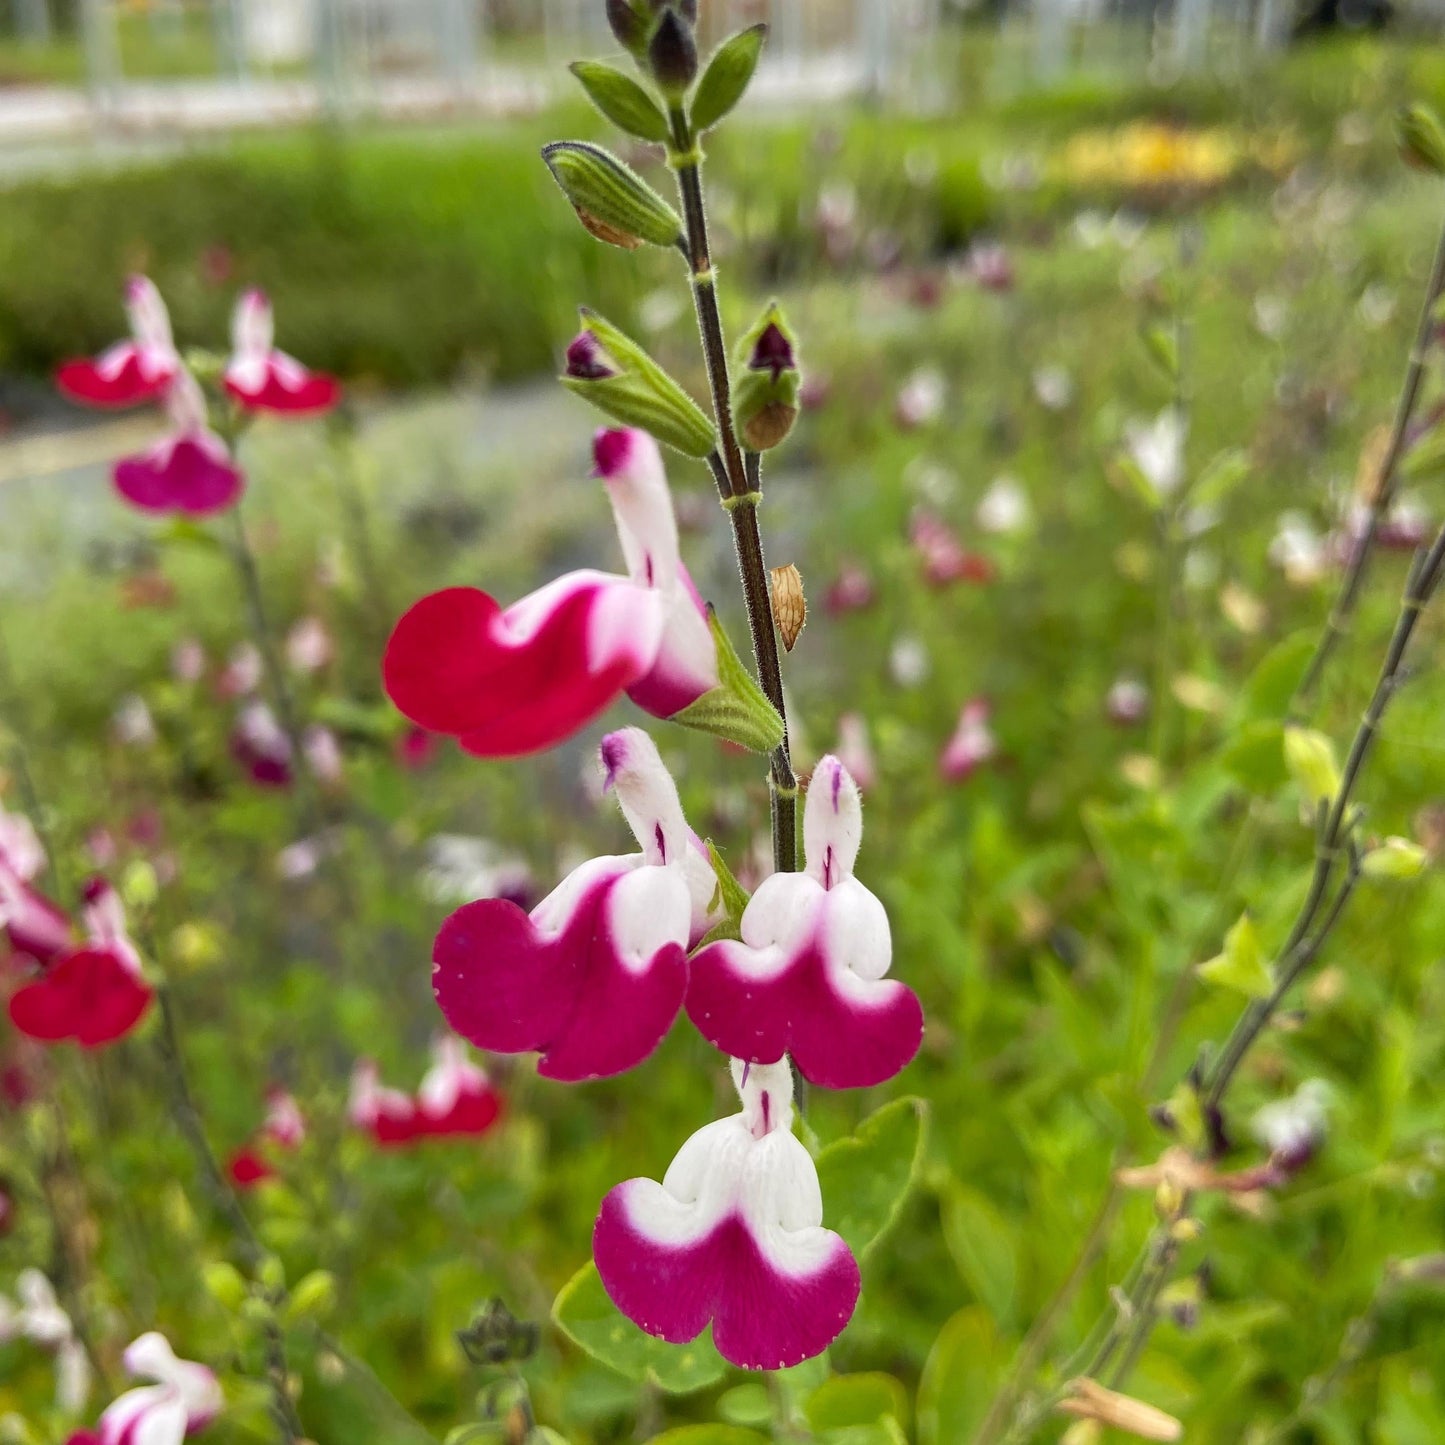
point(1162, 1117)
point(672, 54)
point(773, 352)
point(587, 360)
point(689, 10)
point(628, 24)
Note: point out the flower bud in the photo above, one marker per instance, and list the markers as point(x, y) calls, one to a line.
point(629, 22)
point(1421, 139)
point(612, 201)
point(314, 1296)
point(619, 378)
point(224, 1284)
point(1396, 858)
point(1310, 758)
point(765, 402)
point(672, 53)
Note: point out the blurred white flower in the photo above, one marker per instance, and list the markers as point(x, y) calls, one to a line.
point(1270, 315)
point(323, 754)
point(908, 661)
point(1004, 508)
point(308, 645)
point(242, 673)
point(35, 1314)
point(460, 869)
point(921, 398)
point(1054, 387)
point(188, 660)
point(1157, 448)
point(1298, 550)
point(1295, 1127)
point(1127, 702)
point(1377, 306)
point(855, 751)
point(132, 722)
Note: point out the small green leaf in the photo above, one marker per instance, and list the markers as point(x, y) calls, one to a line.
point(1162, 344)
point(1242, 965)
point(621, 99)
point(959, 1378)
point(585, 1314)
point(982, 1246)
point(749, 1404)
point(727, 76)
point(1271, 686)
point(862, 1399)
point(1254, 757)
point(866, 1177)
point(612, 201)
point(1421, 138)
point(1220, 477)
point(1425, 461)
point(1396, 859)
point(1310, 757)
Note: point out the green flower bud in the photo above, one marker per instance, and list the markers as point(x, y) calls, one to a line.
point(314, 1296)
point(272, 1274)
point(1395, 858)
point(1421, 139)
point(224, 1284)
point(611, 200)
point(1310, 758)
point(765, 399)
point(620, 379)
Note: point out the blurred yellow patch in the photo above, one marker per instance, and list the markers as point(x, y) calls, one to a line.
point(196, 946)
point(1146, 155)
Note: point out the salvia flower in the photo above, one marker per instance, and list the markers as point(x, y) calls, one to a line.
point(807, 977)
point(855, 749)
point(259, 743)
point(973, 742)
point(595, 975)
point(283, 1129)
point(387, 1114)
point(35, 1314)
point(456, 1097)
point(515, 680)
point(95, 993)
point(184, 1398)
point(264, 379)
point(34, 925)
point(945, 559)
point(732, 1236)
point(1157, 449)
point(133, 371)
point(190, 470)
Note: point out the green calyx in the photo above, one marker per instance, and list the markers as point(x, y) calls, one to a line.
point(612, 201)
point(637, 392)
point(735, 709)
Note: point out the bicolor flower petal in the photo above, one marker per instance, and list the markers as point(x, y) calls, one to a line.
point(94, 994)
point(190, 471)
point(456, 1097)
point(388, 1115)
point(732, 1236)
point(595, 975)
point(807, 977)
point(139, 369)
point(185, 1397)
point(515, 680)
point(973, 742)
point(34, 925)
point(264, 379)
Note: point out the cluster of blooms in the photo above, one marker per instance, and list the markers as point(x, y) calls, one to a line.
point(593, 977)
point(36, 1315)
point(282, 1131)
point(94, 991)
point(455, 1099)
point(191, 471)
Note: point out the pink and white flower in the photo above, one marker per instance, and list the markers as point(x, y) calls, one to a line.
point(33, 924)
point(944, 557)
point(259, 743)
point(264, 379)
point(855, 750)
point(594, 976)
point(807, 977)
point(387, 1114)
point(732, 1236)
point(36, 1315)
point(190, 471)
point(283, 1129)
point(456, 1097)
point(93, 994)
point(973, 742)
point(133, 371)
point(308, 645)
point(515, 680)
point(185, 1398)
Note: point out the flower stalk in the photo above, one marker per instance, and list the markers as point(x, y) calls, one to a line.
point(738, 476)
